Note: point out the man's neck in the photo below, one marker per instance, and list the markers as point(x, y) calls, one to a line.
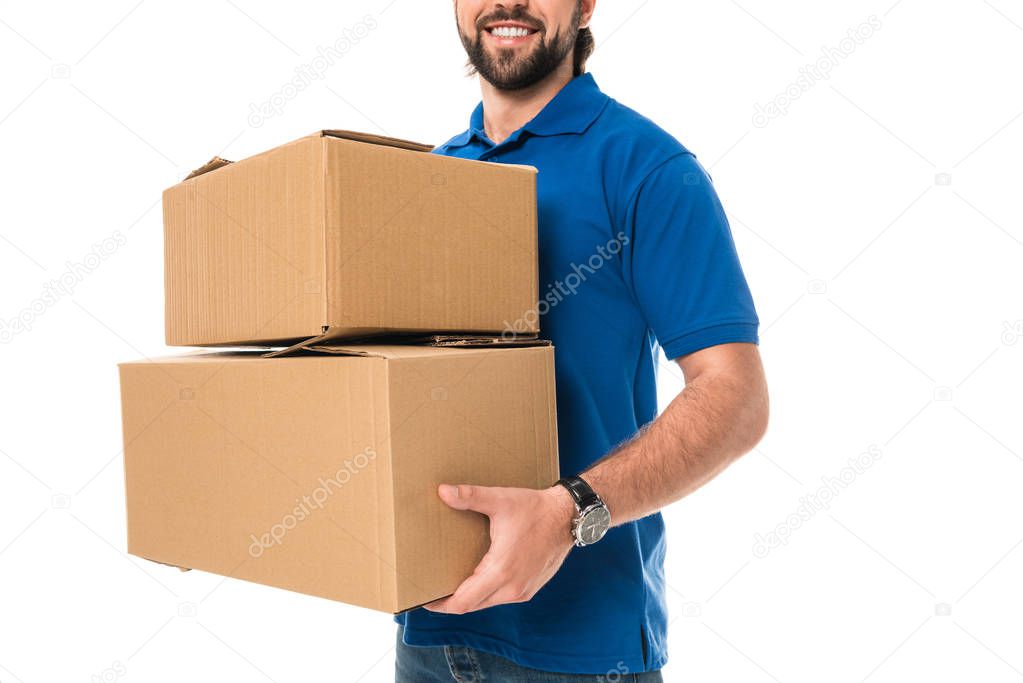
point(505, 111)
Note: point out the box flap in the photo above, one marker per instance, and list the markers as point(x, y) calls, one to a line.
point(295, 348)
point(387, 351)
point(320, 345)
point(211, 165)
point(448, 340)
point(399, 346)
point(378, 140)
point(218, 162)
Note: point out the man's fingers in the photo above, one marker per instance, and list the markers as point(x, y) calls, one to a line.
point(470, 594)
point(484, 581)
point(482, 499)
point(466, 598)
point(498, 578)
point(436, 605)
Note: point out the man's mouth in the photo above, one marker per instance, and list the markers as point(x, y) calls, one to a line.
point(510, 33)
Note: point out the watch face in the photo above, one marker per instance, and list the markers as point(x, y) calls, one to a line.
point(594, 524)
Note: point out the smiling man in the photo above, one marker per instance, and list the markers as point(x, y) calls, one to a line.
point(635, 254)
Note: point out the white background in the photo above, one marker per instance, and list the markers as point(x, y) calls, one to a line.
point(880, 228)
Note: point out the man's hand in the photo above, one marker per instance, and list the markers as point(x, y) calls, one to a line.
point(529, 539)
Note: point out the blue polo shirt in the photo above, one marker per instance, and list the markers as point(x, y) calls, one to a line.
point(635, 252)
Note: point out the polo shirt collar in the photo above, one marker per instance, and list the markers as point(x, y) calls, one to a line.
point(571, 111)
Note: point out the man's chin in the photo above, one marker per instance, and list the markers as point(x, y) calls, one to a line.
point(511, 84)
point(510, 59)
point(511, 74)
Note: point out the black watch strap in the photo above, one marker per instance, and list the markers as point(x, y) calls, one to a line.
point(583, 495)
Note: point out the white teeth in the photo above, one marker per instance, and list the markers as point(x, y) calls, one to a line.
point(509, 32)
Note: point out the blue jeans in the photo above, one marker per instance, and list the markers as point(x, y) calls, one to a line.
point(452, 664)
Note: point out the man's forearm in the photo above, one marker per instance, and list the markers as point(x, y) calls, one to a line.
point(719, 416)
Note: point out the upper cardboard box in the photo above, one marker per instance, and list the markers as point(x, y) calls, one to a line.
point(351, 235)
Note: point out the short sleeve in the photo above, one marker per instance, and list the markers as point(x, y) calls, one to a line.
point(681, 263)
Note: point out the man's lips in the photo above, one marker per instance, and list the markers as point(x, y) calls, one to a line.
point(509, 33)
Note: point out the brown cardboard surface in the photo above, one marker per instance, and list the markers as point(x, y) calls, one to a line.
point(222, 451)
point(348, 233)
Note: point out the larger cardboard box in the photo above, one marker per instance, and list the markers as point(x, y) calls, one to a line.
point(349, 234)
point(319, 473)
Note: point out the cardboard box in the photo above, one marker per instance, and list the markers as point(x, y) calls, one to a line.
point(351, 235)
point(318, 473)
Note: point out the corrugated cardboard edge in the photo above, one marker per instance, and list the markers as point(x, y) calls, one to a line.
point(387, 141)
point(126, 439)
point(211, 165)
point(368, 138)
point(295, 348)
point(552, 407)
point(475, 341)
point(325, 236)
point(167, 564)
point(327, 344)
point(372, 139)
point(319, 345)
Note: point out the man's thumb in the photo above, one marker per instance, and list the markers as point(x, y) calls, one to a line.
point(467, 497)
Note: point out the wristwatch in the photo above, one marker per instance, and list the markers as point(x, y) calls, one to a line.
point(593, 518)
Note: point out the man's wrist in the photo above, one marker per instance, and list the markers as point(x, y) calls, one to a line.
point(563, 506)
point(597, 483)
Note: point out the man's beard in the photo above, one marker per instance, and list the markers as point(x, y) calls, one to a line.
point(509, 71)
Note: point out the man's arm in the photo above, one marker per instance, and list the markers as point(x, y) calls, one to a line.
point(720, 415)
